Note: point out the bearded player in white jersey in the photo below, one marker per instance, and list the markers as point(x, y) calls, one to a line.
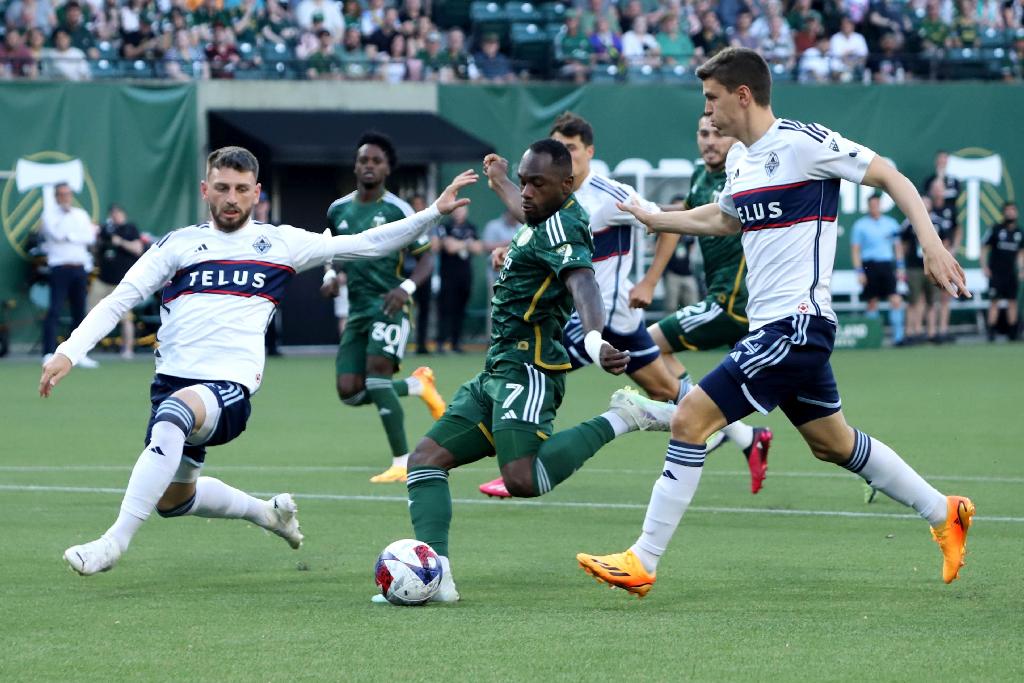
point(221, 282)
point(782, 192)
point(625, 327)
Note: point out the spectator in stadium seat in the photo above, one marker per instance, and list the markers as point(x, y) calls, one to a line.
point(809, 34)
point(323, 63)
point(185, 60)
point(886, 65)
point(710, 40)
point(329, 13)
point(606, 43)
point(411, 13)
point(886, 17)
point(597, 9)
point(849, 49)
point(966, 32)
point(64, 61)
point(493, 66)
point(1002, 258)
point(638, 46)
point(816, 63)
point(142, 43)
point(951, 186)
point(35, 41)
point(631, 10)
point(394, 66)
point(762, 25)
point(457, 64)
point(276, 24)
point(877, 254)
point(799, 13)
point(26, 14)
point(431, 57)
point(573, 49)
point(385, 33)
point(80, 35)
point(675, 46)
point(742, 35)
point(777, 49)
point(222, 54)
point(373, 17)
point(16, 60)
point(352, 14)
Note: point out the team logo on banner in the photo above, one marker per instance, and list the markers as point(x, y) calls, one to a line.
point(985, 186)
point(28, 191)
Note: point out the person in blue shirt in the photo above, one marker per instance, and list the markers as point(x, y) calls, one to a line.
point(877, 254)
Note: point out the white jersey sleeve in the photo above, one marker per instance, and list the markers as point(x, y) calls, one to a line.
point(607, 213)
point(151, 272)
point(725, 201)
point(834, 157)
point(309, 249)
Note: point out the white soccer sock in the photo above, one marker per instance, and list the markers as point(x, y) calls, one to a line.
point(216, 499)
point(618, 425)
point(151, 476)
point(400, 460)
point(671, 496)
point(739, 433)
point(415, 386)
point(881, 467)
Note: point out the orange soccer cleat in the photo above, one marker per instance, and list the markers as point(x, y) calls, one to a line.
point(952, 535)
point(620, 570)
point(392, 475)
point(429, 393)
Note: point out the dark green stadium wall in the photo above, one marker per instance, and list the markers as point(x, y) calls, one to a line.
point(137, 146)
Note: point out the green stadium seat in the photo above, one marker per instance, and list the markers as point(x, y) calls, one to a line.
point(678, 75)
point(489, 17)
point(642, 74)
point(523, 13)
point(553, 13)
point(104, 68)
point(531, 49)
point(991, 38)
point(605, 74)
point(451, 13)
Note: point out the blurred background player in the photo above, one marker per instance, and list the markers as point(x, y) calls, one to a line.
point(943, 215)
point(876, 251)
point(1002, 257)
point(921, 296)
point(458, 243)
point(373, 343)
point(612, 230)
point(508, 410)
point(118, 246)
point(721, 318)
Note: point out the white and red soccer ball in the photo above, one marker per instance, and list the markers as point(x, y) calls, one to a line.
point(408, 572)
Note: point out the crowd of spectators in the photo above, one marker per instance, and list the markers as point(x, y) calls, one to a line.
point(409, 40)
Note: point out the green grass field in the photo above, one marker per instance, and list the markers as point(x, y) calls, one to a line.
point(801, 582)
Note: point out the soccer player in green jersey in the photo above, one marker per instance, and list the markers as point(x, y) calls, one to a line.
point(378, 325)
point(721, 318)
point(508, 410)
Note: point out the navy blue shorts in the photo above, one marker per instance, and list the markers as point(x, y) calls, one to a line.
point(234, 403)
point(642, 349)
point(783, 364)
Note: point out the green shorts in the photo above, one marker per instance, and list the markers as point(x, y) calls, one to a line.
point(371, 333)
point(507, 412)
point(703, 326)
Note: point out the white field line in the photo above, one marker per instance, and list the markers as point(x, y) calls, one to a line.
point(32, 488)
point(653, 472)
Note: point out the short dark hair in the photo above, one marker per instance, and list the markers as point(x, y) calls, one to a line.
point(382, 141)
point(559, 153)
point(237, 158)
point(572, 126)
point(736, 66)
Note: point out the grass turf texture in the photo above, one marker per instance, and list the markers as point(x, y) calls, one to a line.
point(741, 595)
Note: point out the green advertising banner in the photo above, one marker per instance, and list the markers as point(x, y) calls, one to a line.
point(133, 145)
point(908, 124)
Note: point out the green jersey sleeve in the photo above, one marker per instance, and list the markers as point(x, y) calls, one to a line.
point(565, 241)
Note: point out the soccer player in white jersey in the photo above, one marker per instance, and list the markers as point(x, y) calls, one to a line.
point(221, 283)
point(782, 193)
point(612, 229)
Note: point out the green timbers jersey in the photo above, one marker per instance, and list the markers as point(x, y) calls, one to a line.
point(370, 279)
point(725, 267)
point(531, 303)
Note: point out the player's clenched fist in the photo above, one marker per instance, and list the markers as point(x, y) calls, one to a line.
point(495, 168)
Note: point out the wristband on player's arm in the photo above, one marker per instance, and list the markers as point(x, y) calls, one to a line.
point(409, 286)
point(329, 275)
point(593, 342)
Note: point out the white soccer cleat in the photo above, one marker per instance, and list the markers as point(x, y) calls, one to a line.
point(640, 412)
point(283, 520)
point(93, 557)
point(88, 363)
point(447, 591)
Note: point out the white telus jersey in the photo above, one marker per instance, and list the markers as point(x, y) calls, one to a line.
point(221, 289)
point(613, 245)
point(784, 189)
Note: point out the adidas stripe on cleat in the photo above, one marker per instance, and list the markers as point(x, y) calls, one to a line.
point(619, 570)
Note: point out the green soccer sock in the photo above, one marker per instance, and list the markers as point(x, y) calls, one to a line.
point(360, 398)
point(401, 387)
point(566, 451)
point(430, 506)
point(382, 393)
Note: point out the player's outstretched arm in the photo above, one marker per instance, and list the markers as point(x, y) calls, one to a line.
point(940, 266)
point(703, 220)
point(390, 237)
point(586, 296)
point(496, 170)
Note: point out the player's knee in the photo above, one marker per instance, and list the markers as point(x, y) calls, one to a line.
point(520, 484)
point(428, 453)
point(685, 426)
point(379, 366)
point(177, 500)
point(349, 387)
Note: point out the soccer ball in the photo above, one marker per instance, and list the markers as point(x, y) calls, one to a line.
point(408, 572)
